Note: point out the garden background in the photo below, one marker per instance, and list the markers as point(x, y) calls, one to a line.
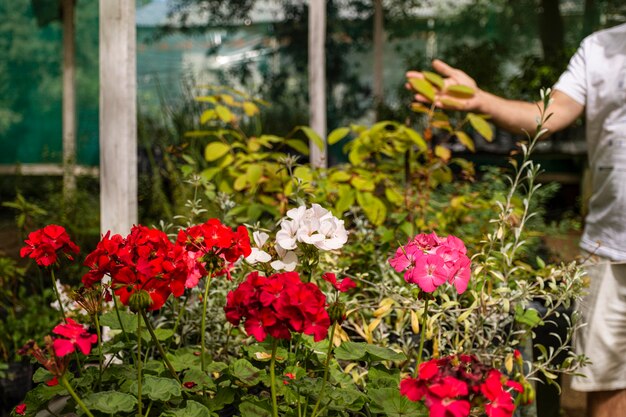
point(512, 48)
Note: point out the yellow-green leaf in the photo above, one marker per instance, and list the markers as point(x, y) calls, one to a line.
point(224, 114)
point(416, 138)
point(250, 108)
point(448, 102)
point(419, 108)
point(313, 137)
point(465, 140)
point(240, 182)
point(434, 79)
point(304, 173)
point(215, 150)
point(207, 115)
point(298, 145)
point(362, 184)
point(423, 87)
point(374, 209)
point(394, 196)
point(346, 199)
point(338, 134)
point(443, 152)
point(254, 173)
point(460, 91)
point(340, 176)
point(481, 126)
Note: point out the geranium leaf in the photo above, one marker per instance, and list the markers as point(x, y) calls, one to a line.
point(246, 372)
point(159, 389)
point(389, 402)
point(381, 353)
point(192, 409)
point(126, 321)
point(254, 408)
point(111, 402)
point(351, 351)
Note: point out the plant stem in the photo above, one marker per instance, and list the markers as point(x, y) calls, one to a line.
point(58, 296)
point(422, 336)
point(158, 345)
point(100, 361)
point(139, 411)
point(326, 366)
point(273, 378)
point(76, 398)
point(203, 323)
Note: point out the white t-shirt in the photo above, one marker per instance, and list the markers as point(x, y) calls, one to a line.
point(596, 78)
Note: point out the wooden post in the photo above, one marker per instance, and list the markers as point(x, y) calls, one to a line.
point(69, 101)
point(118, 116)
point(317, 78)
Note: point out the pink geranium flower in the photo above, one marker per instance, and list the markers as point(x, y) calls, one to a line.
point(428, 273)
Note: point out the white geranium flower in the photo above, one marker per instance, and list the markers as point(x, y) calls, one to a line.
point(286, 236)
point(256, 253)
point(288, 260)
point(334, 232)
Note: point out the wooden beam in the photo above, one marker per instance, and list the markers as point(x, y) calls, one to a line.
point(118, 116)
point(69, 100)
point(317, 79)
point(379, 41)
point(47, 169)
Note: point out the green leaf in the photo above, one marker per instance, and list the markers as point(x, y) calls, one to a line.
point(224, 114)
point(434, 79)
point(481, 126)
point(527, 316)
point(202, 379)
point(128, 321)
point(374, 209)
point(215, 150)
point(298, 145)
point(246, 372)
point(460, 91)
point(423, 87)
point(158, 388)
point(353, 351)
point(252, 408)
point(224, 396)
point(313, 136)
point(339, 176)
point(391, 403)
point(111, 402)
point(465, 140)
point(338, 134)
point(346, 398)
point(192, 409)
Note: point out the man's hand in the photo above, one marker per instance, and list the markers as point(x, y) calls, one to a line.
point(448, 99)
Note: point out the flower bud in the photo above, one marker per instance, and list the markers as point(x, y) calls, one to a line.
point(139, 301)
point(337, 312)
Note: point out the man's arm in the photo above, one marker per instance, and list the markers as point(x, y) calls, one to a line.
point(512, 115)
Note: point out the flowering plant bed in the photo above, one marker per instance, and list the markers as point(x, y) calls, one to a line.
point(253, 321)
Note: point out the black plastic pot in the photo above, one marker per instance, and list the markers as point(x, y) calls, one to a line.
point(15, 385)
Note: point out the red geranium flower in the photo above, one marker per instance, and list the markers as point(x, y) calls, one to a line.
point(20, 409)
point(44, 245)
point(344, 285)
point(278, 305)
point(75, 336)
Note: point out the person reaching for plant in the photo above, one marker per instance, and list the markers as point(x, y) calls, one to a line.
point(593, 83)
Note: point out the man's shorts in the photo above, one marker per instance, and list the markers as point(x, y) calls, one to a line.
point(603, 339)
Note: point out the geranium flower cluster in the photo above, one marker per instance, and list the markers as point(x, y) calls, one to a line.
point(313, 226)
point(430, 261)
point(453, 385)
point(278, 305)
point(44, 245)
point(146, 260)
